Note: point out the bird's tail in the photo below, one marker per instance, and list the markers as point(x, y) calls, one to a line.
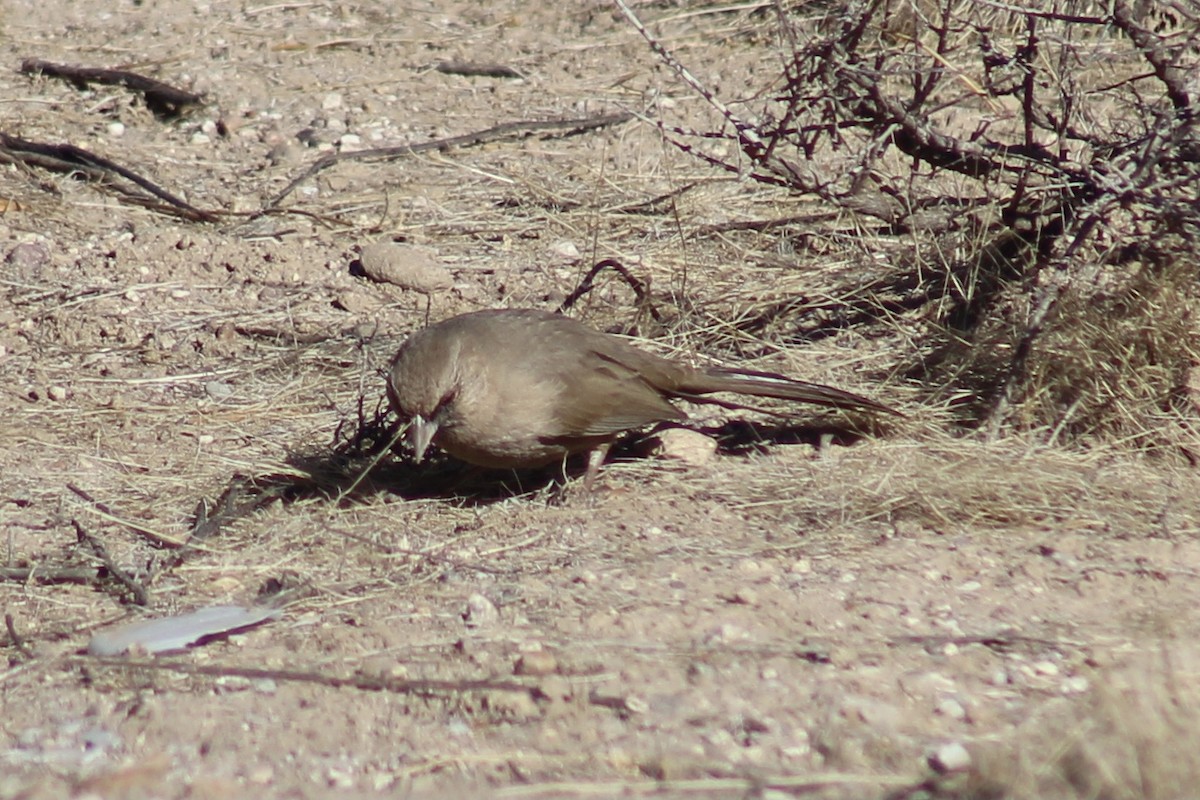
point(780, 387)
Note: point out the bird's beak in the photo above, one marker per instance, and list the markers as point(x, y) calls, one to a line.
point(420, 434)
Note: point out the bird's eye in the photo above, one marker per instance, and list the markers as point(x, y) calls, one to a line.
point(446, 400)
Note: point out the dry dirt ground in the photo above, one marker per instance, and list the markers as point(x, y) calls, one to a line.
point(837, 622)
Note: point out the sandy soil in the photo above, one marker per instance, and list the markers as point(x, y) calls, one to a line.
point(841, 622)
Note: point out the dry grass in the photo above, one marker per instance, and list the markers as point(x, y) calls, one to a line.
point(1132, 737)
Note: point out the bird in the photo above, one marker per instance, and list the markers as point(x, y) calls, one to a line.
point(523, 388)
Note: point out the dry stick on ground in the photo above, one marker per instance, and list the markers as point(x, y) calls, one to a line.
point(478, 69)
point(425, 688)
point(69, 159)
point(420, 687)
point(17, 639)
point(84, 575)
point(103, 511)
point(508, 130)
point(231, 506)
point(161, 98)
point(141, 595)
point(758, 786)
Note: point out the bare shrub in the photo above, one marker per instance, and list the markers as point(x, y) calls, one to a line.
point(1047, 157)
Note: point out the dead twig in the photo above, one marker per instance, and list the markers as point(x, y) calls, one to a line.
point(84, 575)
point(239, 499)
point(102, 510)
point(17, 640)
point(565, 127)
point(141, 594)
point(588, 283)
point(72, 160)
point(478, 69)
point(1174, 79)
point(420, 687)
point(164, 100)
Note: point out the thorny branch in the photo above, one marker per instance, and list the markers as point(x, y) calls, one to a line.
point(897, 94)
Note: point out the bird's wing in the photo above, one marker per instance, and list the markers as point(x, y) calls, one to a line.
point(606, 396)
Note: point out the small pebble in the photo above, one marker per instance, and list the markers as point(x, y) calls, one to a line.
point(686, 445)
point(339, 778)
point(261, 775)
point(566, 251)
point(480, 612)
point(951, 757)
point(878, 714)
point(951, 709)
point(802, 567)
point(356, 302)
point(541, 662)
point(100, 740)
point(218, 390)
point(383, 668)
point(331, 102)
point(556, 688)
point(636, 705)
point(749, 566)
point(725, 634)
point(515, 706)
point(284, 153)
point(1076, 684)
point(746, 597)
point(28, 259)
point(365, 330)
point(56, 393)
point(116, 129)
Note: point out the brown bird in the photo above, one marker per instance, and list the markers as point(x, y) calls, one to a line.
point(524, 388)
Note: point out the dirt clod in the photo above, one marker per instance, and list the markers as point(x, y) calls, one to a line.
point(404, 266)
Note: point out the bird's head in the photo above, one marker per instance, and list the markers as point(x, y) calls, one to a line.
point(422, 385)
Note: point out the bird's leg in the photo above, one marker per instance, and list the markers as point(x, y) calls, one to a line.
point(595, 459)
